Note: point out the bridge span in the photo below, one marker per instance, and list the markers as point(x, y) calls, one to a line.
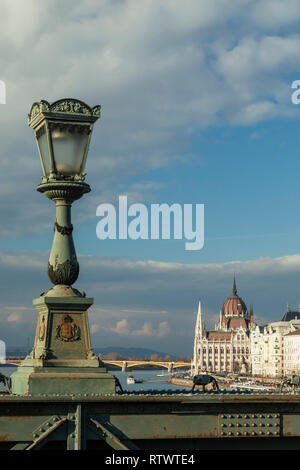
point(125, 365)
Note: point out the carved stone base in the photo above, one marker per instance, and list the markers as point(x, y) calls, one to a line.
point(62, 381)
point(62, 360)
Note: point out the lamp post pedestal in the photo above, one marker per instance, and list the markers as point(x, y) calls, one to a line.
point(62, 360)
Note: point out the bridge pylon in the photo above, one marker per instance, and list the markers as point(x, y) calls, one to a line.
point(124, 366)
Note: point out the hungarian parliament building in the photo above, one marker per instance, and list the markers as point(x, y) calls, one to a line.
point(239, 345)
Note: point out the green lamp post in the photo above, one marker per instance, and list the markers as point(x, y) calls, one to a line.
point(62, 360)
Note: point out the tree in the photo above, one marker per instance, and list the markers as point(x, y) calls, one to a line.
point(113, 356)
point(155, 358)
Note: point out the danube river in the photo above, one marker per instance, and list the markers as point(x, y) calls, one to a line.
point(151, 379)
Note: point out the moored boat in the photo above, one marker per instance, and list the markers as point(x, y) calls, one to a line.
point(132, 380)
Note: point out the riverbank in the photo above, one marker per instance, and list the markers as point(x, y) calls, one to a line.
point(189, 383)
point(223, 384)
point(181, 382)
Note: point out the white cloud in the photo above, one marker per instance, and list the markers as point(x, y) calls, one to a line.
point(256, 112)
point(148, 303)
point(94, 328)
point(161, 70)
point(163, 329)
point(14, 318)
point(123, 328)
point(16, 314)
point(275, 14)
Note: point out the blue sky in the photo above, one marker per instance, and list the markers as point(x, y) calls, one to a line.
point(247, 179)
point(196, 108)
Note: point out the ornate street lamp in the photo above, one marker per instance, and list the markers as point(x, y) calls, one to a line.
point(63, 131)
point(62, 350)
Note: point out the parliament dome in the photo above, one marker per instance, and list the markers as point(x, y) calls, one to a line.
point(234, 306)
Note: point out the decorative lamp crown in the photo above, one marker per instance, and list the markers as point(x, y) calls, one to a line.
point(63, 131)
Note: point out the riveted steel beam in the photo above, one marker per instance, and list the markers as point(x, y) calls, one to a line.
point(42, 433)
point(153, 420)
point(249, 425)
point(114, 438)
point(76, 439)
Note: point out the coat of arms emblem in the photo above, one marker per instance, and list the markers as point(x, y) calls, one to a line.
point(67, 330)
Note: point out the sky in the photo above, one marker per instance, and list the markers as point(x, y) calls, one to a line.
point(196, 109)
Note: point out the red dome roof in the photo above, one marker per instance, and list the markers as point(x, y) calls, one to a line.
point(234, 305)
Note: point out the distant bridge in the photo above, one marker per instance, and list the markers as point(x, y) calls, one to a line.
point(125, 365)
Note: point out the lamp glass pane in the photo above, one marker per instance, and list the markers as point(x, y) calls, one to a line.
point(44, 151)
point(68, 150)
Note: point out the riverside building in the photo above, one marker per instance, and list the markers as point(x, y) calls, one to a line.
point(239, 345)
point(291, 352)
point(226, 348)
point(272, 355)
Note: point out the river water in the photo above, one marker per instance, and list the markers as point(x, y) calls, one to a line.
point(151, 379)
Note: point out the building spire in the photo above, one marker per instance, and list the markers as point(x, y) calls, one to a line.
point(200, 332)
point(199, 325)
point(234, 290)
